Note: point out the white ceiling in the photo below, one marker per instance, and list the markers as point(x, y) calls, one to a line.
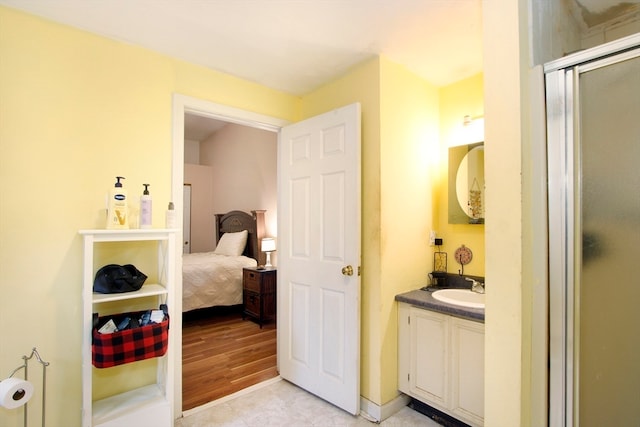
point(295, 45)
point(290, 45)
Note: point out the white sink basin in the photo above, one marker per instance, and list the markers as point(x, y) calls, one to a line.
point(461, 297)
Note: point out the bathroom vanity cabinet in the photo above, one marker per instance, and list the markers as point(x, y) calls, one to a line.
point(441, 362)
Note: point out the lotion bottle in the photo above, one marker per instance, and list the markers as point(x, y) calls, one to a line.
point(117, 217)
point(145, 208)
point(171, 216)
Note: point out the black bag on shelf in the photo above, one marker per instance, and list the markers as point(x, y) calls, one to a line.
point(115, 279)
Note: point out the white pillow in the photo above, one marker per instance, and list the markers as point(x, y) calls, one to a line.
point(232, 244)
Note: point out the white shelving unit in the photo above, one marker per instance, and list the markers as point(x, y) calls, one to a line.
point(150, 404)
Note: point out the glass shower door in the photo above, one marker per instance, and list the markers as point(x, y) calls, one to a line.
point(594, 234)
point(608, 278)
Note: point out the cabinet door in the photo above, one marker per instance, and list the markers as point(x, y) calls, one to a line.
point(467, 371)
point(404, 346)
point(430, 356)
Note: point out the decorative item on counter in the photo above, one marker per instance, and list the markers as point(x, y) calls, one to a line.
point(171, 221)
point(438, 279)
point(440, 261)
point(117, 211)
point(145, 208)
point(439, 258)
point(463, 256)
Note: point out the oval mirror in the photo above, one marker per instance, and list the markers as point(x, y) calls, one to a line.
point(466, 184)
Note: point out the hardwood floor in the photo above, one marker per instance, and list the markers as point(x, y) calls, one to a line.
point(223, 354)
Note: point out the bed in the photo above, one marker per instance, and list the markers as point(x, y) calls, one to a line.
point(214, 278)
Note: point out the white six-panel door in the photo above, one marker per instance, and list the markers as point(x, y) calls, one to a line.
point(319, 256)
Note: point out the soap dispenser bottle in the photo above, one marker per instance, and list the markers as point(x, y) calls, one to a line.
point(145, 208)
point(117, 217)
point(171, 220)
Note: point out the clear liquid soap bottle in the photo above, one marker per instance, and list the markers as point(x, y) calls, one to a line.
point(145, 208)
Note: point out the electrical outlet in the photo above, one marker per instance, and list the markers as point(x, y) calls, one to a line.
point(432, 238)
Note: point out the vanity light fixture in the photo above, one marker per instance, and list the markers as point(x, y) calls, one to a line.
point(268, 245)
point(472, 130)
point(468, 120)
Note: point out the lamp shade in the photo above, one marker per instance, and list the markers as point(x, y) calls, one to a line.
point(268, 244)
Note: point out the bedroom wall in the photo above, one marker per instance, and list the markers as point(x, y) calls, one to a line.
point(202, 220)
point(244, 171)
point(78, 109)
point(191, 152)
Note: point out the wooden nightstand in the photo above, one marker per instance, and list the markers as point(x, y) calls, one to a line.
point(259, 294)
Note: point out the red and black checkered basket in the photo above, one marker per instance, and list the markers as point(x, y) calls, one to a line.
point(129, 345)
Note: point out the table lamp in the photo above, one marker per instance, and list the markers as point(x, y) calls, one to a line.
point(267, 246)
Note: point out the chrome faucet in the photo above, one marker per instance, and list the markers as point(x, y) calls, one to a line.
point(475, 285)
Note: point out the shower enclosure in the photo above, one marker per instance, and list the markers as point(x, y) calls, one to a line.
point(593, 149)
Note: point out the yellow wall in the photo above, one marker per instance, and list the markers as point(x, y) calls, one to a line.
point(409, 144)
point(76, 110)
point(506, 117)
point(505, 111)
point(362, 84)
point(399, 147)
point(457, 100)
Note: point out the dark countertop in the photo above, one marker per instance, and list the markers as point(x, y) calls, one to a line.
point(424, 299)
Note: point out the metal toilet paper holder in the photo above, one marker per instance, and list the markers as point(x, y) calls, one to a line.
point(25, 366)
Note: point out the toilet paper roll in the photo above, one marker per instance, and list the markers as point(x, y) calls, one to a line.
point(15, 392)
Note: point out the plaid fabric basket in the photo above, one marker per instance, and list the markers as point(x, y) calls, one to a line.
point(129, 345)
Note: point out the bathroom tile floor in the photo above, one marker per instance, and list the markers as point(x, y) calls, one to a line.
point(280, 403)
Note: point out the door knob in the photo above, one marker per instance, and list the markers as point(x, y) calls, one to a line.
point(347, 271)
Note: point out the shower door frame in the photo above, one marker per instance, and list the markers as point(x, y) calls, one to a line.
point(563, 135)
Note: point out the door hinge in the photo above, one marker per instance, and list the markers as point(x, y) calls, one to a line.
point(409, 320)
point(408, 377)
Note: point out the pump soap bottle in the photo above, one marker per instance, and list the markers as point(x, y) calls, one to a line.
point(117, 218)
point(171, 216)
point(145, 208)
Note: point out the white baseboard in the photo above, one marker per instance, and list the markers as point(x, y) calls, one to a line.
point(376, 413)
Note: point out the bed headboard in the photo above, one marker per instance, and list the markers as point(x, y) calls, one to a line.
point(235, 221)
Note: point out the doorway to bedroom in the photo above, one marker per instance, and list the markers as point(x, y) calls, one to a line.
point(227, 166)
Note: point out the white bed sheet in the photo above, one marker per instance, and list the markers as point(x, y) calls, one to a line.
point(209, 279)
